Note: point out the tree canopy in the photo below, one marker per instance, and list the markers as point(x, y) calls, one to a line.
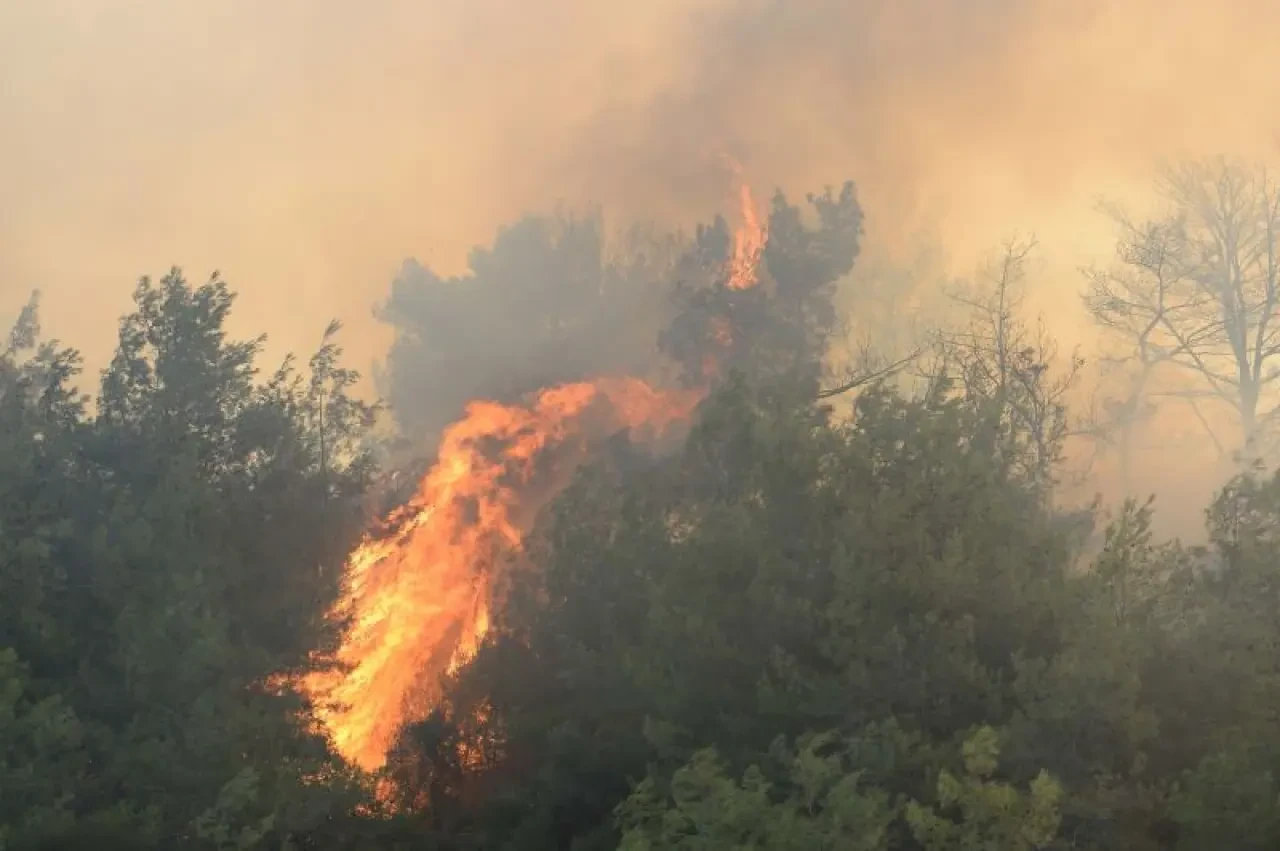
point(855, 621)
point(1198, 291)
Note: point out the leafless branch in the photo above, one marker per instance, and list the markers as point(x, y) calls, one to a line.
point(863, 378)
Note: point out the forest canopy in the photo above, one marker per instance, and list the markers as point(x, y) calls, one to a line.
point(842, 612)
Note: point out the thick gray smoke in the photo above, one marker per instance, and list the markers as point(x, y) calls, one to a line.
point(548, 302)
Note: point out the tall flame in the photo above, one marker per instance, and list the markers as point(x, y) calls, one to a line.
point(418, 594)
point(749, 238)
point(742, 270)
point(418, 598)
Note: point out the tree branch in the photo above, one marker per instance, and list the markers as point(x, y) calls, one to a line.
point(870, 377)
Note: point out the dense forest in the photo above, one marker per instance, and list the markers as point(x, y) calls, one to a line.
point(846, 611)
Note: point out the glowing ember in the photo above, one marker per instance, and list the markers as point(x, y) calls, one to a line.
point(418, 599)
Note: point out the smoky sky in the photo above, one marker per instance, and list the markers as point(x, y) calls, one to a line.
point(306, 148)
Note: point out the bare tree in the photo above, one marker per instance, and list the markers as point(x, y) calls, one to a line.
point(999, 357)
point(1199, 290)
point(869, 368)
point(1132, 299)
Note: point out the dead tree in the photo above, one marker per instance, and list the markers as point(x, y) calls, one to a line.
point(1131, 300)
point(1199, 290)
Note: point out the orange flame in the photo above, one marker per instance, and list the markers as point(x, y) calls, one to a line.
point(417, 596)
point(749, 238)
point(418, 599)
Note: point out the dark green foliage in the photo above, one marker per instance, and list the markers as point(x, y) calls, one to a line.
point(798, 630)
point(821, 802)
point(900, 584)
point(781, 326)
point(160, 562)
point(782, 575)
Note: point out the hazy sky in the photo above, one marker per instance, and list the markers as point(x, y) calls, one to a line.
point(305, 147)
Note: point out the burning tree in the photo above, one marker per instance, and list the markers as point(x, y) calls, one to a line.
point(781, 324)
point(419, 593)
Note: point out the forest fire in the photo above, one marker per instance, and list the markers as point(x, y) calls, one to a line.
point(742, 271)
point(418, 597)
point(419, 592)
point(748, 243)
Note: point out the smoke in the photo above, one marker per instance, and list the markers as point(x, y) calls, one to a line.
point(549, 302)
point(306, 147)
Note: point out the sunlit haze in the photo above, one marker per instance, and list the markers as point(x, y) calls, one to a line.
point(305, 149)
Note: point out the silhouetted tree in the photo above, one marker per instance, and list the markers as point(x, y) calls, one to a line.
point(548, 302)
point(1200, 290)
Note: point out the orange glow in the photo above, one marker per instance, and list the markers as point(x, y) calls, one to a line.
point(418, 597)
point(419, 593)
point(749, 239)
point(742, 270)
point(721, 331)
point(722, 336)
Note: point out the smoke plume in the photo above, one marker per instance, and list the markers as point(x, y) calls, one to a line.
point(307, 147)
